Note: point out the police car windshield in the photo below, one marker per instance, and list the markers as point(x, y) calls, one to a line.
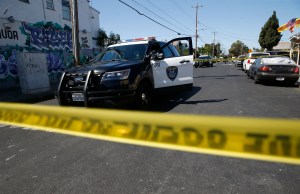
point(122, 52)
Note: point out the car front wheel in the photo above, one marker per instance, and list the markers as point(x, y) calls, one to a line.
point(143, 96)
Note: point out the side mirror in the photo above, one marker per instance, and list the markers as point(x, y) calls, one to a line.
point(157, 56)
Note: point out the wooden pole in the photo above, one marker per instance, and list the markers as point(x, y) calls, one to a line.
point(75, 32)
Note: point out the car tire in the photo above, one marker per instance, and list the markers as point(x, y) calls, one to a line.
point(143, 96)
point(196, 64)
point(256, 80)
point(248, 75)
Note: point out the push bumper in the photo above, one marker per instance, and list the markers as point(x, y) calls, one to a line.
point(120, 95)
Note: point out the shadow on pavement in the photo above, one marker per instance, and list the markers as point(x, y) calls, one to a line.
point(168, 102)
point(219, 77)
point(280, 84)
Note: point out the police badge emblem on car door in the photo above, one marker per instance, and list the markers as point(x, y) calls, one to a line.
point(172, 72)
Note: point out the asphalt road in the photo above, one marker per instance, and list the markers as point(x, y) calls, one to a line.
point(41, 162)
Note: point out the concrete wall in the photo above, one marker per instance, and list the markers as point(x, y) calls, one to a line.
point(33, 72)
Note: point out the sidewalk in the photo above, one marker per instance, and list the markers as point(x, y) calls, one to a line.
point(16, 95)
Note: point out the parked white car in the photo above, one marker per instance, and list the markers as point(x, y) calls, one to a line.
point(250, 58)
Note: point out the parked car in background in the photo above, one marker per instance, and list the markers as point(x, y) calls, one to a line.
point(204, 60)
point(250, 58)
point(274, 68)
point(239, 61)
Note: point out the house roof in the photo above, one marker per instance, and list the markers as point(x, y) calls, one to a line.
point(283, 46)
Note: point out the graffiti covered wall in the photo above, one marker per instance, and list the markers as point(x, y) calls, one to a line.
point(8, 65)
point(40, 37)
point(49, 38)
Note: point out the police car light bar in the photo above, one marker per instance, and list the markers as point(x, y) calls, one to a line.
point(139, 39)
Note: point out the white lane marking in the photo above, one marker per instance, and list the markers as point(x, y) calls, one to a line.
point(10, 158)
point(11, 146)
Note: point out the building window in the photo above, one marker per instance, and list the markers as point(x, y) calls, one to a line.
point(26, 1)
point(49, 4)
point(66, 10)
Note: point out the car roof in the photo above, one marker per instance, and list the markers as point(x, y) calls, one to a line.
point(129, 43)
point(256, 54)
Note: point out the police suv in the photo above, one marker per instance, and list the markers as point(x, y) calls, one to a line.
point(129, 73)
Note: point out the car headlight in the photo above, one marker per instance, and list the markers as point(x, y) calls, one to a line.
point(116, 75)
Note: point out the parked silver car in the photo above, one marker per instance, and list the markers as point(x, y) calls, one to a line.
point(274, 68)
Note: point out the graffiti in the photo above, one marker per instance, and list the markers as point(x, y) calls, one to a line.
point(8, 67)
point(85, 42)
point(8, 34)
point(49, 38)
point(3, 68)
point(46, 37)
point(55, 62)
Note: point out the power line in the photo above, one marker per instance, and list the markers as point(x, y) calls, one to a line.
point(228, 35)
point(169, 16)
point(180, 8)
point(150, 18)
point(158, 15)
point(202, 40)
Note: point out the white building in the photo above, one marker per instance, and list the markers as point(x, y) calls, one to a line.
point(43, 26)
point(16, 15)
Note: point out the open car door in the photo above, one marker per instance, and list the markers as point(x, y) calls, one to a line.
point(173, 64)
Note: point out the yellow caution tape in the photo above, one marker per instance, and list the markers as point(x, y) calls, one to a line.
point(235, 59)
point(276, 140)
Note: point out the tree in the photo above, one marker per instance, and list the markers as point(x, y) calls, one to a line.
point(113, 39)
point(238, 48)
point(269, 36)
point(217, 49)
point(205, 50)
point(208, 49)
point(103, 40)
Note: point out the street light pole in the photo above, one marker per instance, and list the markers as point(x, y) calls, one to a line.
point(75, 32)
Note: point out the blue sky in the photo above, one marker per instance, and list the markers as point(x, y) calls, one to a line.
point(232, 20)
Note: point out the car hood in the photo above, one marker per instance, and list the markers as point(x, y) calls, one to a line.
point(104, 66)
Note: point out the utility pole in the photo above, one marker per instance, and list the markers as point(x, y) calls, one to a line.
point(196, 35)
point(75, 32)
point(218, 48)
point(214, 44)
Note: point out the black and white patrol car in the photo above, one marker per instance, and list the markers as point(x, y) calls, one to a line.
point(129, 73)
